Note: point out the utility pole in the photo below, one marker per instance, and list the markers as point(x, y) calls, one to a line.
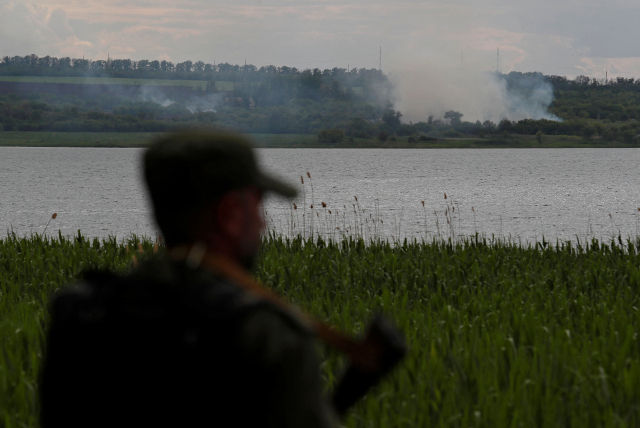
point(498, 65)
point(606, 77)
point(380, 64)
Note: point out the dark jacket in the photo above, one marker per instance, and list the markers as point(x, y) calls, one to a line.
point(174, 346)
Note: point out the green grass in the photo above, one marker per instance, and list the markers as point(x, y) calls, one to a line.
point(76, 139)
point(501, 334)
point(221, 86)
point(141, 139)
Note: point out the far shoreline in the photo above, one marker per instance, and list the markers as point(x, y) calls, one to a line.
point(142, 139)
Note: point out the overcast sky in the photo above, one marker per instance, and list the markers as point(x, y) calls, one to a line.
point(555, 37)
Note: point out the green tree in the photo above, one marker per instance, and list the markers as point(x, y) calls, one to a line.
point(539, 137)
point(359, 128)
point(629, 136)
point(454, 117)
point(588, 132)
point(331, 136)
point(392, 118)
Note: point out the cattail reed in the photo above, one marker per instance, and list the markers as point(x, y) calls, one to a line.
point(53, 217)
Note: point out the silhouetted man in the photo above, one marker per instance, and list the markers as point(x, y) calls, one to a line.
point(176, 343)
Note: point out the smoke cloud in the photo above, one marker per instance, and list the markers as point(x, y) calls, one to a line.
point(423, 91)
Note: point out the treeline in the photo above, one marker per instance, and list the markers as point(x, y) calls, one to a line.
point(32, 65)
point(582, 83)
point(355, 119)
point(267, 85)
point(71, 114)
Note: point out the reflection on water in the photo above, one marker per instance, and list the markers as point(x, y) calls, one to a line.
point(518, 193)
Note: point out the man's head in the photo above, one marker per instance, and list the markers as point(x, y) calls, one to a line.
point(207, 187)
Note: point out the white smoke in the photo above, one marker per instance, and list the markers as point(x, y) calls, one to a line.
point(209, 102)
point(423, 91)
point(149, 93)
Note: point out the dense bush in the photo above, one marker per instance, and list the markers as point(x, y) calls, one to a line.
point(331, 136)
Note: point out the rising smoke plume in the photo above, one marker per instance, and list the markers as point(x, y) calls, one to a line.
point(426, 91)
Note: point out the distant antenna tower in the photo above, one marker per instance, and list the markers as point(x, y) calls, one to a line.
point(380, 64)
point(498, 65)
point(606, 77)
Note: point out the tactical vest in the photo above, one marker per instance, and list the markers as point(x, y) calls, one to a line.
point(154, 348)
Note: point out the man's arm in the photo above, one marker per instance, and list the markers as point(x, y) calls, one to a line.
point(286, 354)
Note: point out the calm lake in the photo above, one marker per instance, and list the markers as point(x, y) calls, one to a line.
point(524, 194)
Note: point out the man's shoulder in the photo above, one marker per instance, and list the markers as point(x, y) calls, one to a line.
point(173, 288)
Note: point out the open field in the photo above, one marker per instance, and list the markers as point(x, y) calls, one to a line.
point(141, 139)
point(501, 335)
point(220, 86)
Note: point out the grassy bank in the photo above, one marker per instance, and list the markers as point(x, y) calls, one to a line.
point(501, 335)
point(141, 139)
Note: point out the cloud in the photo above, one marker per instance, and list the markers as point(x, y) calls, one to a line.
point(27, 28)
point(555, 37)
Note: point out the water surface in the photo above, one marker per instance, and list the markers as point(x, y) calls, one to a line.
point(518, 193)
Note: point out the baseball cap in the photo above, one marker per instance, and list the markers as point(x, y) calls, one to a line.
point(194, 167)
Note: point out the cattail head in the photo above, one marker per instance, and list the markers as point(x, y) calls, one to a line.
point(295, 207)
point(356, 198)
point(638, 209)
point(610, 216)
point(311, 205)
point(301, 180)
point(324, 205)
point(423, 203)
point(329, 211)
point(454, 209)
point(473, 209)
point(308, 175)
point(445, 196)
point(56, 215)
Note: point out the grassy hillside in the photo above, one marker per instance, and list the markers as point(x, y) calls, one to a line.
point(220, 86)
